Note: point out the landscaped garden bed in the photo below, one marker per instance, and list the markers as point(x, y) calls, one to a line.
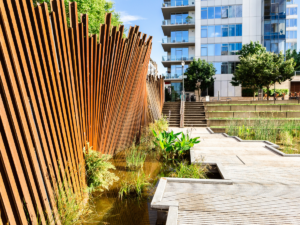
point(285, 134)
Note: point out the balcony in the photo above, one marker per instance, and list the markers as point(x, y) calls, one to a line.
point(171, 76)
point(167, 43)
point(177, 6)
point(169, 25)
point(168, 60)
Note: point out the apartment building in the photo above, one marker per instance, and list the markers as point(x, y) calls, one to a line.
point(152, 68)
point(215, 30)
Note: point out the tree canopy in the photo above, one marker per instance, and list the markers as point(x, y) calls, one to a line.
point(199, 70)
point(251, 49)
point(293, 55)
point(263, 70)
point(96, 10)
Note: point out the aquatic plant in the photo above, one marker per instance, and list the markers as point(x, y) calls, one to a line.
point(97, 170)
point(184, 170)
point(135, 157)
point(185, 142)
point(135, 185)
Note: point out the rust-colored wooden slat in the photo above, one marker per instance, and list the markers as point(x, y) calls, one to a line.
point(52, 63)
point(61, 47)
point(3, 191)
point(23, 89)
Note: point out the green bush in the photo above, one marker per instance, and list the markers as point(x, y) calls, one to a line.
point(135, 157)
point(278, 91)
point(97, 170)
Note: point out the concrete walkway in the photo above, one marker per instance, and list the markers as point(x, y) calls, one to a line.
point(260, 185)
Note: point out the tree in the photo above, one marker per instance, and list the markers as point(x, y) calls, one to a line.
point(296, 56)
point(263, 70)
point(199, 70)
point(251, 49)
point(96, 10)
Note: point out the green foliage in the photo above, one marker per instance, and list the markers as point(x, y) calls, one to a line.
point(134, 186)
point(263, 70)
point(278, 91)
point(289, 54)
point(190, 171)
point(73, 208)
point(147, 137)
point(199, 70)
point(97, 170)
point(185, 143)
point(96, 10)
point(135, 157)
point(270, 130)
point(165, 140)
point(252, 49)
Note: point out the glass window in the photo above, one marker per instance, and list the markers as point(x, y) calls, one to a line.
point(210, 48)
point(178, 36)
point(217, 49)
point(185, 36)
point(232, 49)
point(225, 12)
point(267, 27)
point(204, 31)
point(218, 12)
point(239, 11)
point(231, 12)
point(217, 65)
point(203, 13)
point(274, 47)
point(218, 31)
point(224, 50)
point(224, 68)
point(239, 30)
point(238, 47)
point(211, 12)
point(232, 30)
point(224, 30)
point(267, 44)
point(231, 67)
point(203, 50)
point(210, 31)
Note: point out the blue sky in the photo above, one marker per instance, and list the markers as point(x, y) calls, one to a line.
point(147, 14)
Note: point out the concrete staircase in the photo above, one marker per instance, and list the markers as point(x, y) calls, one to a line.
point(194, 115)
point(172, 111)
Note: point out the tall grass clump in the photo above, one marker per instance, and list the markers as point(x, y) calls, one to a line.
point(135, 185)
point(147, 136)
point(98, 168)
point(184, 170)
point(281, 132)
point(135, 157)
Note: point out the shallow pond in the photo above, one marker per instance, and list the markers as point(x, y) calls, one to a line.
point(129, 210)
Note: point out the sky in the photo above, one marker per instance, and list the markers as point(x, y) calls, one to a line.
point(147, 14)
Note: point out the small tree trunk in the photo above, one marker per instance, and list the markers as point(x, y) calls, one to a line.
point(268, 91)
point(253, 94)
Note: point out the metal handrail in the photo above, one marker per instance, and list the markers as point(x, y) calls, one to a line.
point(182, 111)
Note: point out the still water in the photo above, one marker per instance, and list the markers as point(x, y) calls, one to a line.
point(112, 210)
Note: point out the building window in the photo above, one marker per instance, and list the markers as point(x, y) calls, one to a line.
point(224, 49)
point(291, 23)
point(203, 13)
point(178, 54)
point(179, 36)
point(291, 11)
point(211, 12)
point(291, 34)
point(224, 12)
point(218, 32)
point(211, 31)
point(220, 49)
point(239, 30)
point(231, 30)
point(224, 30)
point(221, 12)
point(204, 31)
point(291, 45)
point(225, 67)
point(203, 50)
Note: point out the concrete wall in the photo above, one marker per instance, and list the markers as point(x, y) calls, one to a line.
point(253, 108)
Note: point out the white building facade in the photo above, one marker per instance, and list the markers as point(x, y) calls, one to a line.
point(215, 30)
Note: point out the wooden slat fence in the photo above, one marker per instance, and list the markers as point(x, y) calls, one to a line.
point(59, 89)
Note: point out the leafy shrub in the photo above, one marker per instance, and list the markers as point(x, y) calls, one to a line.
point(185, 143)
point(135, 157)
point(97, 170)
point(135, 185)
point(190, 171)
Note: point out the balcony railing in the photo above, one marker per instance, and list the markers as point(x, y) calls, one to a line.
point(178, 40)
point(178, 22)
point(177, 58)
point(178, 3)
point(172, 76)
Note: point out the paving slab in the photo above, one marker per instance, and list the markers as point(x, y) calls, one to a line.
point(260, 186)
